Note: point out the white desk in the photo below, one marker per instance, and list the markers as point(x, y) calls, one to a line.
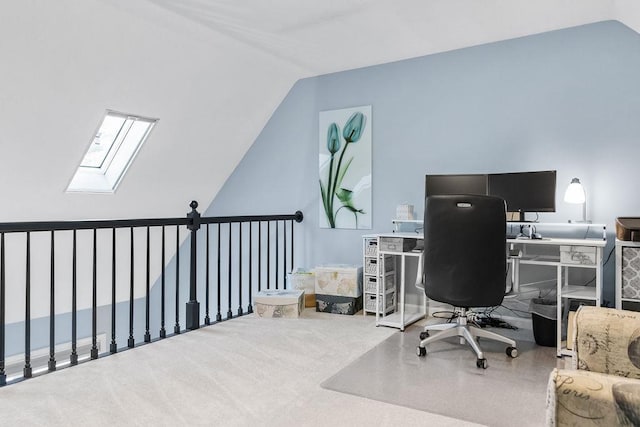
point(567, 253)
point(571, 253)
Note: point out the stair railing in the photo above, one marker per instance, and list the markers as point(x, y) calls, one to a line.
point(242, 255)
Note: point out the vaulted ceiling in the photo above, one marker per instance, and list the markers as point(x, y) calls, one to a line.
point(212, 72)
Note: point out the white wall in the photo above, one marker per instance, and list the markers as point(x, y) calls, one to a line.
point(64, 63)
point(627, 12)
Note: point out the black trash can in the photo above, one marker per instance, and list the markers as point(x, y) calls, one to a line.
point(544, 315)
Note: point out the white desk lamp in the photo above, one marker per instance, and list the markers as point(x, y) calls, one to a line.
point(575, 194)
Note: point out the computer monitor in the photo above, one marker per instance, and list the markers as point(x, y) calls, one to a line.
point(436, 185)
point(525, 191)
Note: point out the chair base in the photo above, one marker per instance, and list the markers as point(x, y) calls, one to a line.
point(468, 334)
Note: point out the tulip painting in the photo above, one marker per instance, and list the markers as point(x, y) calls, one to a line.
point(345, 168)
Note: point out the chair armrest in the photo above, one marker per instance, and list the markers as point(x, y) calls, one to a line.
point(607, 341)
point(591, 399)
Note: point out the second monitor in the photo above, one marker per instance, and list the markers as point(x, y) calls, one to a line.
point(438, 185)
point(522, 191)
point(525, 191)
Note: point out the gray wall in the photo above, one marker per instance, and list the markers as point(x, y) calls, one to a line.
point(567, 100)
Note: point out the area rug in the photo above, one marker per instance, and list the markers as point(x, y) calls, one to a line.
point(447, 382)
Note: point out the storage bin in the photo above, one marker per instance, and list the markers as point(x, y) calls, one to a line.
point(389, 282)
point(305, 281)
point(397, 244)
point(628, 228)
point(580, 255)
point(371, 265)
point(279, 303)
point(341, 280)
point(370, 303)
point(338, 304)
point(371, 247)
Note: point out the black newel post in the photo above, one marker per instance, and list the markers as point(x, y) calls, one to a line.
point(193, 306)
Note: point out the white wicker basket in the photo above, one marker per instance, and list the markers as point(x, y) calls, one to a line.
point(387, 283)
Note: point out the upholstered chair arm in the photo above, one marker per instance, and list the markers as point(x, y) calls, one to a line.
point(607, 341)
point(583, 398)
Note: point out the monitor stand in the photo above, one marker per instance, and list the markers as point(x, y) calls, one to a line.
point(517, 217)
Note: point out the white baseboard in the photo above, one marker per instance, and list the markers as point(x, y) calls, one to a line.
point(39, 357)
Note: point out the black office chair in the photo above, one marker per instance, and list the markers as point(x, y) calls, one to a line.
point(464, 264)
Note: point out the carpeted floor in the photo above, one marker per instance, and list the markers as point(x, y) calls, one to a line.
point(447, 382)
point(243, 372)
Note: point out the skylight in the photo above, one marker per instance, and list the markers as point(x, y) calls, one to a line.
point(111, 152)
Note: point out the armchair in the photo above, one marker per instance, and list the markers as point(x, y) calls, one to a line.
point(603, 388)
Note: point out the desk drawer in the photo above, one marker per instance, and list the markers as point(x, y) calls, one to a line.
point(578, 255)
point(371, 247)
point(371, 265)
point(370, 303)
point(388, 282)
point(397, 244)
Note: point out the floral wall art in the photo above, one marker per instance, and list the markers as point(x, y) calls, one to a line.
point(345, 168)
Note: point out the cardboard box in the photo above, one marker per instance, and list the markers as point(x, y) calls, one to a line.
point(279, 303)
point(339, 280)
point(338, 304)
point(404, 211)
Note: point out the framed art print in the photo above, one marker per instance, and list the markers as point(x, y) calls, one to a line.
point(345, 168)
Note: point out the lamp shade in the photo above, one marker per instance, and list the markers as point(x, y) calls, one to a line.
point(575, 192)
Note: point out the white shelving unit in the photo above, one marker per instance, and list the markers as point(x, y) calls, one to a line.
point(378, 277)
point(627, 274)
point(405, 314)
point(386, 269)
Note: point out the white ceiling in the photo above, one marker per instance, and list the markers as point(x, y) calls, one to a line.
point(327, 36)
point(213, 72)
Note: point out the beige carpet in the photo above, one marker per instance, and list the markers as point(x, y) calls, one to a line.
point(247, 371)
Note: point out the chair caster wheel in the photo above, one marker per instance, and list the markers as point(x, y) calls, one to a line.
point(512, 352)
point(424, 335)
point(421, 351)
point(482, 363)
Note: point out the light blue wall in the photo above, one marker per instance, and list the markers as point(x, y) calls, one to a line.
point(567, 100)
